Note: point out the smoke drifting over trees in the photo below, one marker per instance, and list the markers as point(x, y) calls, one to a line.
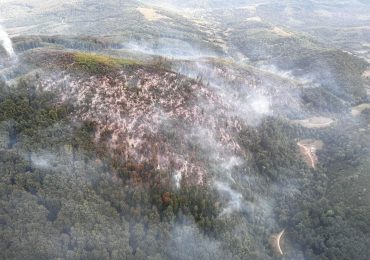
point(184, 130)
point(6, 43)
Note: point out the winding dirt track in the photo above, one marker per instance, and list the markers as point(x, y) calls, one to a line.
point(278, 238)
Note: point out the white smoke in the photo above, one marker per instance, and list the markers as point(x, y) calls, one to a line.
point(44, 160)
point(235, 199)
point(229, 164)
point(306, 80)
point(261, 105)
point(6, 43)
point(177, 179)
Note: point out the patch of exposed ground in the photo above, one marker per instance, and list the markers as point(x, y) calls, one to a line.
point(151, 14)
point(315, 122)
point(308, 148)
point(254, 19)
point(366, 74)
point(281, 32)
point(357, 110)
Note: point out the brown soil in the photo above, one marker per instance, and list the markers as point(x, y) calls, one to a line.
point(308, 148)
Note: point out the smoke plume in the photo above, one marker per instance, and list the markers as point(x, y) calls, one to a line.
point(6, 43)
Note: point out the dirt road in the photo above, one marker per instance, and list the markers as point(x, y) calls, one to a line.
point(308, 150)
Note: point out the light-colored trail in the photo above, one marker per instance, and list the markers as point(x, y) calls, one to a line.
point(357, 110)
point(308, 148)
point(278, 239)
point(322, 125)
point(307, 151)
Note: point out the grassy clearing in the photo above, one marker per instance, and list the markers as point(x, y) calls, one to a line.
point(95, 63)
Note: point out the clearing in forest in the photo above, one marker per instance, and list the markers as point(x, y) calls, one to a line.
point(281, 32)
point(366, 74)
point(315, 122)
point(357, 110)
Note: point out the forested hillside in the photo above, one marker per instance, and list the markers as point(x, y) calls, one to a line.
point(154, 130)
